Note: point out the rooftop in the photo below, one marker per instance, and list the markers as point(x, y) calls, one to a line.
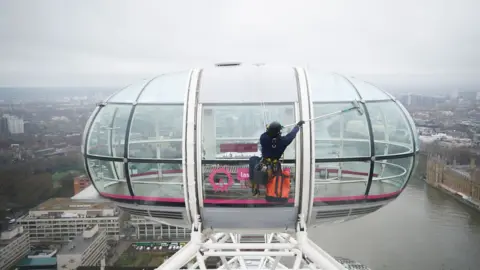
point(462, 170)
point(61, 204)
point(37, 262)
point(14, 236)
point(10, 233)
point(78, 244)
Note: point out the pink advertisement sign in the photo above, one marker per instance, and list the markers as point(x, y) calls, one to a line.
point(243, 174)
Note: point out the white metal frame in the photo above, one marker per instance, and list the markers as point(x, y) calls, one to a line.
point(308, 157)
point(188, 147)
point(310, 193)
point(298, 152)
point(199, 145)
point(203, 245)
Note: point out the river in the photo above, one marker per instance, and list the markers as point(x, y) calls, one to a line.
point(424, 229)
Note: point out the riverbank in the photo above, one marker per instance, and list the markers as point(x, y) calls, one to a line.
point(455, 194)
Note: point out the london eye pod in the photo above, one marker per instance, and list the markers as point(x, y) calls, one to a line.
point(176, 148)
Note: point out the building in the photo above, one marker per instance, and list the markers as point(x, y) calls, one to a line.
point(80, 183)
point(462, 179)
point(15, 124)
point(14, 244)
point(43, 263)
point(87, 249)
point(417, 101)
point(467, 97)
point(142, 228)
point(4, 126)
point(150, 230)
point(61, 219)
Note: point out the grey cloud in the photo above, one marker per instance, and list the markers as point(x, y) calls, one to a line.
point(112, 42)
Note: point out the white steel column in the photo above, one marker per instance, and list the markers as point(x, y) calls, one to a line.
point(299, 176)
point(307, 150)
point(188, 146)
point(200, 154)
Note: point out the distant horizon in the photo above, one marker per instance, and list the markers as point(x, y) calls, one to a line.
point(431, 83)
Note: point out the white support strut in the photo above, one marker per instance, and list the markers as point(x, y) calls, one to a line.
point(233, 254)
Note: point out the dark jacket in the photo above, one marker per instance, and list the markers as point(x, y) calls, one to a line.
point(273, 147)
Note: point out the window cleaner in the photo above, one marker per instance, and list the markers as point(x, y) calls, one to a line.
point(273, 145)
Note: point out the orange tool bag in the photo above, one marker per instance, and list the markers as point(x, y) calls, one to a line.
point(278, 187)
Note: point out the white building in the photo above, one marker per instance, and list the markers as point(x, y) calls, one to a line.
point(144, 229)
point(15, 124)
point(14, 245)
point(87, 249)
point(151, 230)
point(61, 219)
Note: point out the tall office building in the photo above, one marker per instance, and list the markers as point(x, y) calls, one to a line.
point(87, 249)
point(80, 183)
point(61, 219)
point(416, 100)
point(14, 244)
point(15, 124)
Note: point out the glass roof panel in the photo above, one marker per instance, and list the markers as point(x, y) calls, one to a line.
point(330, 87)
point(167, 88)
point(242, 84)
point(130, 93)
point(368, 91)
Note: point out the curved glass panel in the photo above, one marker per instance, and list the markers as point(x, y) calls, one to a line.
point(330, 87)
point(251, 84)
point(391, 130)
point(341, 135)
point(157, 181)
point(230, 185)
point(167, 88)
point(156, 132)
point(86, 129)
point(107, 134)
point(390, 176)
point(340, 181)
point(108, 177)
point(232, 126)
point(368, 91)
point(412, 124)
point(233, 132)
point(130, 93)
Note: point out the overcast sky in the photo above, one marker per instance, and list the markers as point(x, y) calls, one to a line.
point(51, 43)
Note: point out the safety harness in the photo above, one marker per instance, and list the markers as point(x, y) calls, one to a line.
point(268, 166)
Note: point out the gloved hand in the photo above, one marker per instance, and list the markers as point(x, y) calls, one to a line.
point(300, 123)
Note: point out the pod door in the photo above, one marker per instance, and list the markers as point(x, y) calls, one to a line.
point(229, 137)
